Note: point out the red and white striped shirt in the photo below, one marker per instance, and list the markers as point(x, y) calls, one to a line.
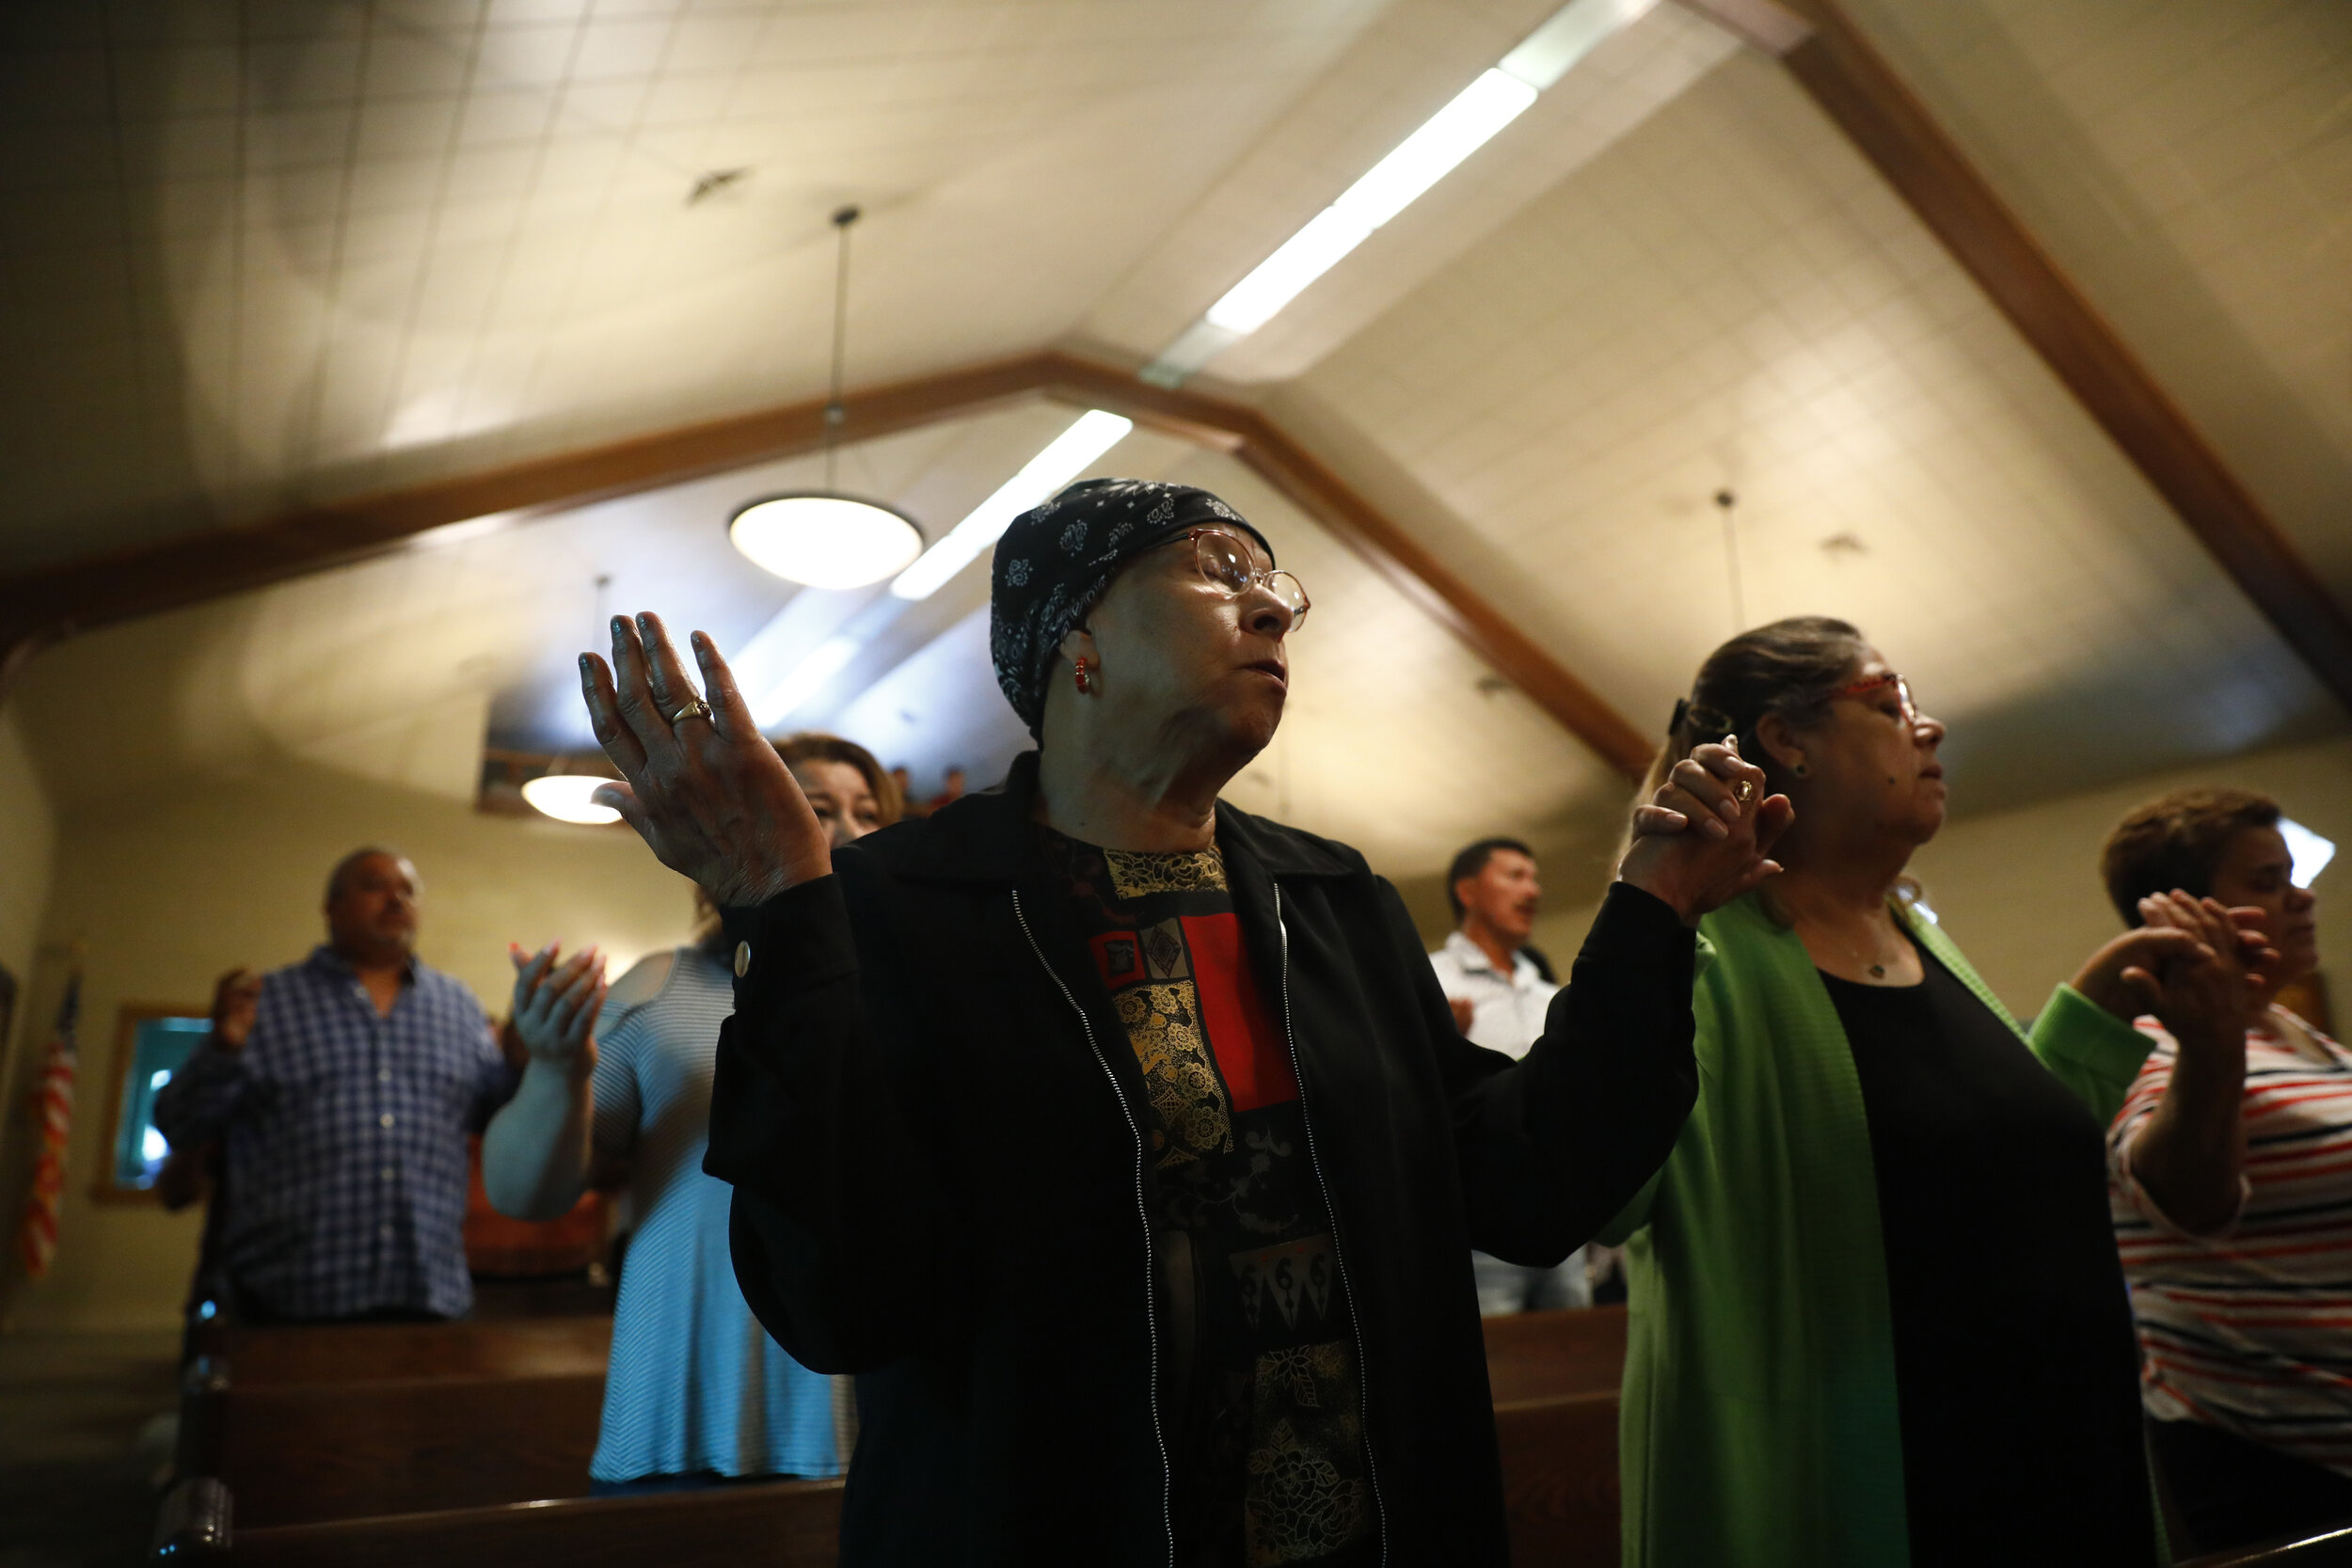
point(2249, 1329)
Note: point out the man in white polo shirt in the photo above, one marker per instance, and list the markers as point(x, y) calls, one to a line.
point(1500, 990)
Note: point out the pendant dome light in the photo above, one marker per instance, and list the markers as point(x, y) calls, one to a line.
point(824, 538)
point(561, 792)
point(564, 797)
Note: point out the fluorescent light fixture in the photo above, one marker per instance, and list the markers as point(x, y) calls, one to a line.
point(1306, 256)
point(2308, 852)
point(828, 660)
point(825, 540)
point(1430, 154)
point(564, 797)
point(1070, 455)
point(1419, 160)
point(1497, 97)
point(1574, 31)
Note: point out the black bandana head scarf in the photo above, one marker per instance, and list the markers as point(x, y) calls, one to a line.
point(1055, 561)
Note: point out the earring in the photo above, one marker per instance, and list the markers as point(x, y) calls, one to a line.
point(1799, 770)
point(1086, 681)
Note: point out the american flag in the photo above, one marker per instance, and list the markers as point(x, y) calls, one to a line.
point(57, 1120)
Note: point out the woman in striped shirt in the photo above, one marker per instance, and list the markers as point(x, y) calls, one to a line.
point(2230, 1167)
point(696, 1394)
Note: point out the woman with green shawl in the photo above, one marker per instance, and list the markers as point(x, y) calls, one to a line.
point(1877, 1315)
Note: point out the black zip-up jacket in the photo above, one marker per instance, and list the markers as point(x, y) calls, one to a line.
point(936, 1131)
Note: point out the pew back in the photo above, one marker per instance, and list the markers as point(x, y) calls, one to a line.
point(355, 1352)
point(1560, 1479)
point(294, 1454)
point(779, 1525)
point(1539, 1354)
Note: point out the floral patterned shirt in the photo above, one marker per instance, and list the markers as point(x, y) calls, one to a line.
point(1260, 1393)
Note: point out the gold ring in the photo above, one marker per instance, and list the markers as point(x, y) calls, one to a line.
point(1743, 790)
point(696, 709)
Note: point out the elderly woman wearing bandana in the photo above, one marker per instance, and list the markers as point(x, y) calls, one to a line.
point(1121, 1141)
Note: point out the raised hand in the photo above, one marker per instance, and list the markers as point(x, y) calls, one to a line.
point(235, 1000)
point(555, 1006)
point(2214, 1000)
point(2190, 1156)
point(1705, 837)
point(706, 791)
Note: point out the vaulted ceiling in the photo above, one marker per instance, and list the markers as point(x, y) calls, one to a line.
point(260, 256)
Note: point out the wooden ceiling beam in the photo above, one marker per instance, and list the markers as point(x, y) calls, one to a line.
point(46, 604)
point(1889, 125)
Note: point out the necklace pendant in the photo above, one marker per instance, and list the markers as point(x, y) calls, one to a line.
point(1879, 970)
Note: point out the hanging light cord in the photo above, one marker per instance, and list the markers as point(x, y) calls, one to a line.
point(1728, 504)
point(835, 412)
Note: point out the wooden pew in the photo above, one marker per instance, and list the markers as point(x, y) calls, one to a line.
point(1537, 1355)
point(787, 1525)
point(438, 1469)
point(342, 1450)
point(1560, 1485)
point(1560, 1479)
point(363, 1353)
point(346, 1420)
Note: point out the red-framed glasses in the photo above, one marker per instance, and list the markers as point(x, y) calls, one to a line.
point(1877, 683)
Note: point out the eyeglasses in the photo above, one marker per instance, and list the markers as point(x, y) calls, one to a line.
point(1902, 694)
point(1226, 562)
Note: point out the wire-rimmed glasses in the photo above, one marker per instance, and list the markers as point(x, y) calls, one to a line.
point(1224, 559)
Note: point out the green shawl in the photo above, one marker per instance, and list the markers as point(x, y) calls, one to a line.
point(1758, 1425)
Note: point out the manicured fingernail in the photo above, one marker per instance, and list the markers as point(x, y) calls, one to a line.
point(620, 627)
point(1733, 742)
point(1730, 809)
point(1716, 830)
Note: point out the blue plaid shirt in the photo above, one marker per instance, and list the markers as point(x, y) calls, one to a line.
point(345, 1140)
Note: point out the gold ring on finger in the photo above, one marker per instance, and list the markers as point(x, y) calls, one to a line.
point(696, 709)
point(1743, 790)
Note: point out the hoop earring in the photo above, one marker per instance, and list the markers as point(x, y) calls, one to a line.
point(1084, 680)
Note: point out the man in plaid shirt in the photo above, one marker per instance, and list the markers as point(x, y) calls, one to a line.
point(343, 1090)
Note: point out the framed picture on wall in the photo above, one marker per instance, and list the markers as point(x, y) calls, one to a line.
point(152, 1040)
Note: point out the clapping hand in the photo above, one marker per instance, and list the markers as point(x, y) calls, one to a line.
point(1705, 837)
point(556, 1005)
point(705, 790)
point(235, 999)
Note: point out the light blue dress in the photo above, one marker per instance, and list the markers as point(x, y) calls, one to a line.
point(696, 1384)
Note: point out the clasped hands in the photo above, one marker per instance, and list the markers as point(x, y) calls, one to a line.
point(1706, 836)
point(2198, 965)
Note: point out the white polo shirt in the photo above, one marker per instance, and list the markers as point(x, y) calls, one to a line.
point(1508, 1009)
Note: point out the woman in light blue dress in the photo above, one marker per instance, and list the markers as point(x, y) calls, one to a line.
point(696, 1394)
